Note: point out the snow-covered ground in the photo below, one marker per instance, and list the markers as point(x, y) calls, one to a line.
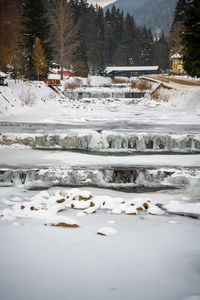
point(135, 237)
point(151, 256)
point(46, 106)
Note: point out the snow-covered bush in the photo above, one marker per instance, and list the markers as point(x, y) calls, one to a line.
point(120, 80)
point(160, 94)
point(143, 85)
point(73, 84)
point(27, 98)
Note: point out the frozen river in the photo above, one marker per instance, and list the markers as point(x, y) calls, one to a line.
point(139, 162)
point(152, 257)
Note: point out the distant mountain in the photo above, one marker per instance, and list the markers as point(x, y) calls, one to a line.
point(154, 14)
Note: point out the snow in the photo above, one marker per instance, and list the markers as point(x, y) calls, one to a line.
point(111, 222)
point(44, 194)
point(19, 96)
point(140, 245)
point(139, 250)
point(49, 107)
point(55, 221)
point(108, 231)
point(80, 204)
point(110, 141)
point(2, 74)
point(28, 157)
point(131, 210)
point(54, 76)
point(91, 210)
point(155, 210)
point(188, 101)
point(135, 68)
point(178, 207)
point(39, 207)
point(186, 77)
point(99, 81)
point(156, 245)
point(176, 55)
point(15, 224)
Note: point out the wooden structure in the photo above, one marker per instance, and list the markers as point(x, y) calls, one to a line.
point(66, 73)
point(56, 69)
point(131, 71)
point(177, 64)
point(52, 82)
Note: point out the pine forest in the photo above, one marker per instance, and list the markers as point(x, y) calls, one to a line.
point(76, 34)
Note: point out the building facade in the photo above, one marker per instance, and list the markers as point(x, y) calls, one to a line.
point(177, 64)
point(131, 71)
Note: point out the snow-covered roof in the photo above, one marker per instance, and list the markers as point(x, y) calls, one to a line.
point(177, 55)
point(53, 76)
point(56, 69)
point(131, 68)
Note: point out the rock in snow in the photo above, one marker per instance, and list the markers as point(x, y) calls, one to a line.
point(131, 210)
point(155, 210)
point(107, 231)
point(62, 222)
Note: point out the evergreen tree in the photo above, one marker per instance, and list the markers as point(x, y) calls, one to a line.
point(112, 38)
point(94, 60)
point(102, 68)
point(88, 21)
point(38, 58)
point(161, 53)
point(120, 58)
point(35, 24)
point(108, 38)
point(145, 48)
point(179, 14)
point(129, 39)
point(100, 36)
point(191, 39)
point(79, 57)
point(174, 38)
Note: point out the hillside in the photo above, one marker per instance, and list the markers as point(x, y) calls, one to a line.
point(157, 14)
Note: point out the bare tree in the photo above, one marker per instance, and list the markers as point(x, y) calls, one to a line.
point(63, 30)
point(9, 31)
point(39, 59)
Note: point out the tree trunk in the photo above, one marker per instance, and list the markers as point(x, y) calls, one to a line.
point(62, 56)
point(61, 75)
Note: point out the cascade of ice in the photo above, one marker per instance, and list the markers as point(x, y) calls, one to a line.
point(110, 178)
point(103, 94)
point(105, 140)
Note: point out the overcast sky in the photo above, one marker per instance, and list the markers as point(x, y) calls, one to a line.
point(101, 2)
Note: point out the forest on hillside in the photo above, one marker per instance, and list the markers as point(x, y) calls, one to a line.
point(156, 14)
point(74, 33)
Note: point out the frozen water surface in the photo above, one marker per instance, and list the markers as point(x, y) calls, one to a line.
point(152, 257)
point(121, 144)
point(38, 158)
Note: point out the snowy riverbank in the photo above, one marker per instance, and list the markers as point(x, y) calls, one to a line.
point(110, 207)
